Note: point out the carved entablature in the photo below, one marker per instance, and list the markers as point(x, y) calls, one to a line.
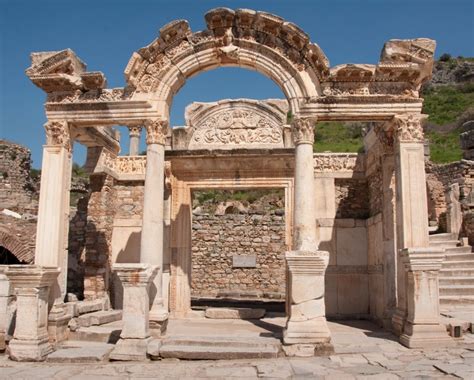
point(339, 162)
point(58, 134)
point(55, 71)
point(233, 124)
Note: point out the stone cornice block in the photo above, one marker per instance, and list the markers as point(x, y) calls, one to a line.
point(135, 274)
point(307, 262)
point(30, 276)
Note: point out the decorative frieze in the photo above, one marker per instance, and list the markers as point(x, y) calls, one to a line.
point(303, 130)
point(57, 133)
point(156, 131)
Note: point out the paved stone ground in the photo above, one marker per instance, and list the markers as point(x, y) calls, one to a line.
point(362, 351)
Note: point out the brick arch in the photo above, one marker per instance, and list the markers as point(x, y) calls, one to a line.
point(18, 248)
point(243, 38)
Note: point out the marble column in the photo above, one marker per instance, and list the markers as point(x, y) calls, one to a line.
point(151, 248)
point(306, 331)
point(53, 218)
point(134, 133)
point(31, 285)
point(136, 280)
point(422, 328)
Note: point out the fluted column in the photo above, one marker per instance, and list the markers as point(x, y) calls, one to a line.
point(53, 217)
point(134, 147)
point(306, 330)
point(151, 249)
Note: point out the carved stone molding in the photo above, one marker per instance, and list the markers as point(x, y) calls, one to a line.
point(57, 133)
point(339, 162)
point(385, 137)
point(156, 131)
point(408, 128)
point(134, 131)
point(303, 130)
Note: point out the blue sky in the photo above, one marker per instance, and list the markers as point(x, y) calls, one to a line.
point(105, 33)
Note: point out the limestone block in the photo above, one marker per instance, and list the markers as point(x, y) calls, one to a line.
point(234, 313)
point(352, 294)
point(130, 350)
point(351, 246)
point(330, 296)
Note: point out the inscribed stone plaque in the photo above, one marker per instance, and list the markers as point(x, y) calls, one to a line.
point(248, 261)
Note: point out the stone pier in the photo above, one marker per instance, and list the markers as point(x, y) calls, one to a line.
point(136, 280)
point(31, 285)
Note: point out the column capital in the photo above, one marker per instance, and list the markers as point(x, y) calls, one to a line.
point(408, 127)
point(156, 131)
point(58, 133)
point(303, 130)
point(135, 131)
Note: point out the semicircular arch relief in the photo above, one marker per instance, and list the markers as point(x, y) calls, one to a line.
point(19, 249)
point(244, 38)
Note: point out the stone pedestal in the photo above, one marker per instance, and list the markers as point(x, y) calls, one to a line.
point(5, 300)
point(306, 323)
point(422, 328)
point(136, 280)
point(31, 285)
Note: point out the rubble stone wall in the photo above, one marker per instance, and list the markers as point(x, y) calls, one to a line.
point(217, 238)
point(352, 199)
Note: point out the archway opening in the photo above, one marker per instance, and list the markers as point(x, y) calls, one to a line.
point(7, 257)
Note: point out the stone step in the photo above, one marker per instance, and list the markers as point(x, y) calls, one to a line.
point(454, 256)
point(81, 352)
point(443, 237)
point(444, 243)
point(109, 333)
point(460, 249)
point(84, 307)
point(456, 290)
point(98, 318)
point(456, 300)
point(462, 264)
point(456, 281)
point(234, 313)
point(215, 348)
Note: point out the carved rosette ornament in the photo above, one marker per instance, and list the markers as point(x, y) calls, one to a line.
point(57, 133)
point(134, 131)
point(156, 131)
point(303, 130)
point(408, 128)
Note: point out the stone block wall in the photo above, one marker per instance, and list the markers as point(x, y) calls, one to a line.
point(218, 238)
point(439, 177)
point(352, 198)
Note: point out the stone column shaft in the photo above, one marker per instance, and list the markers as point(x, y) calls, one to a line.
point(134, 133)
point(151, 248)
point(53, 213)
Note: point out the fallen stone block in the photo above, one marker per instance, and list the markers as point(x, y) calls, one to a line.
point(85, 307)
point(98, 318)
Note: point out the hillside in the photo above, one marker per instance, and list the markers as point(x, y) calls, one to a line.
point(448, 100)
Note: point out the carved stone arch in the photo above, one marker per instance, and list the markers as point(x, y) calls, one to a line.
point(18, 248)
point(243, 38)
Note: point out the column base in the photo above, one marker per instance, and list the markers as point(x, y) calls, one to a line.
point(425, 336)
point(29, 350)
point(308, 350)
point(158, 321)
point(130, 350)
point(398, 322)
point(310, 331)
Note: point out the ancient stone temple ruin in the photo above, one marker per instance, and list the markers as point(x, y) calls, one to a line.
point(354, 239)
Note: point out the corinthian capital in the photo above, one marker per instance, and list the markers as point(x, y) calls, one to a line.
point(408, 128)
point(134, 131)
point(57, 133)
point(156, 131)
point(303, 130)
